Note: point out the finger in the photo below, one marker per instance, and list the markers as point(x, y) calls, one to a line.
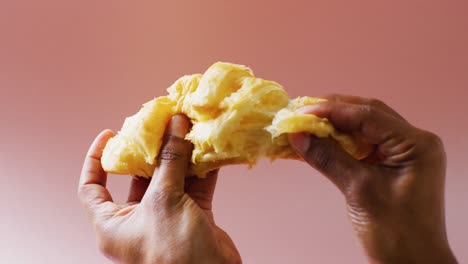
point(328, 157)
point(362, 101)
point(373, 124)
point(92, 186)
point(138, 188)
point(173, 158)
point(201, 190)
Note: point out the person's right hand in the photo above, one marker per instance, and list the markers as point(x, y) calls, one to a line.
point(167, 219)
point(395, 197)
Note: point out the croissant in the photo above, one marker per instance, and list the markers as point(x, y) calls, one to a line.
point(236, 119)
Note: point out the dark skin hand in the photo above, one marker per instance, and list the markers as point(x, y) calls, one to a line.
point(395, 197)
point(167, 219)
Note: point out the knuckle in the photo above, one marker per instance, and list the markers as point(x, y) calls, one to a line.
point(323, 160)
point(377, 103)
point(321, 156)
point(163, 198)
point(432, 142)
point(433, 139)
point(383, 107)
point(364, 112)
point(175, 149)
point(367, 110)
point(170, 155)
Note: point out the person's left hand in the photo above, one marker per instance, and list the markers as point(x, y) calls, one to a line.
point(167, 219)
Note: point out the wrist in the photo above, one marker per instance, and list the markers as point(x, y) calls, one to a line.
point(421, 253)
point(187, 258)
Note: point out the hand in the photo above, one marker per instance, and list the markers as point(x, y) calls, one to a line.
point(167, 219)
point(395, 197)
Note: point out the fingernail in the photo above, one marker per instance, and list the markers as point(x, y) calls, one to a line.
point(300, 142)
point(308, 109)
point(178, 126)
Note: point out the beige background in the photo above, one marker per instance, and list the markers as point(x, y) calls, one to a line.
point(69, 69)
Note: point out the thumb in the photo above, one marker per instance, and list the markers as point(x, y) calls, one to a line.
point(328, 157)
point(173, 158)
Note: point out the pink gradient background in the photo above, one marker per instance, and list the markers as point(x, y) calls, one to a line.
point(69, 69)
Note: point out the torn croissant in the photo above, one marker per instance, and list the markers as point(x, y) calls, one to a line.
point(236, 117)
